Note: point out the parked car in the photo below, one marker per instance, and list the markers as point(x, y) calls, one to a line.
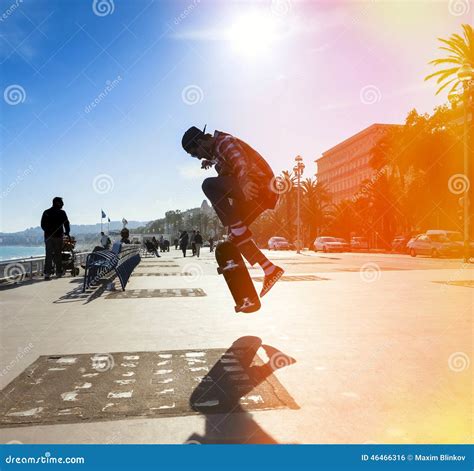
point(278, 243)
point(399, 244)
point(359, 243)
point(346, 247)
point(455, 237)
point(328, 244)
point(435, 245)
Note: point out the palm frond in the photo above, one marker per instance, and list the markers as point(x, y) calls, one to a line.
point(452, 46)
point(438, 72)
point(446, 73)
point(447, 60)
point(447, 83)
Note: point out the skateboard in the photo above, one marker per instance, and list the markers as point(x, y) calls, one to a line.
point(236, 275)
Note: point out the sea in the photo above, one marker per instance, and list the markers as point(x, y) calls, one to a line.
point(8, 252)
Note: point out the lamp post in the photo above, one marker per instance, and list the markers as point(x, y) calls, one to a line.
point(298, 169)
point(466, 77)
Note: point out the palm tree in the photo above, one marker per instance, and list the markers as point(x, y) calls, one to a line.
point(315, 206)
point(460, 51)
point(287, 198)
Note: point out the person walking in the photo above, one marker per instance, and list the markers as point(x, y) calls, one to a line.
point(198, 243)
point(55, 225)
point(176, 243)
point(183, 242)
point(211, 244)
point(193, 244)
point(244, 177)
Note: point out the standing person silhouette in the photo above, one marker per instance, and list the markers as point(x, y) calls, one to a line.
point(55, 225)
point(241, 191)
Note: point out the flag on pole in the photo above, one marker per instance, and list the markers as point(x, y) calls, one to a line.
point(103, 214)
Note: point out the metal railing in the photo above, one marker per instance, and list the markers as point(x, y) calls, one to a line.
point(17, 269)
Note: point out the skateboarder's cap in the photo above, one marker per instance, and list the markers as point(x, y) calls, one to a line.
point(191, 136)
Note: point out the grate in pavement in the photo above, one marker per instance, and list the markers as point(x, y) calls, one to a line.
point(304, 263)
point(158, 265)
point(110, 386)
point(293, 278)
point(177, 273)
point(353, 270)
point(156, 293)
point(464, 283)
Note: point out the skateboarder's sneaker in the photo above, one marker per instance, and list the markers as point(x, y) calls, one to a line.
point(248, 306)
point(270, 280)
point(240, 239)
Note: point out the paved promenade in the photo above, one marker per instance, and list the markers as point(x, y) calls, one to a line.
point(382, 348)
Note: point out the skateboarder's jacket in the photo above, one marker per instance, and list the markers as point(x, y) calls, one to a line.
point(234, 157)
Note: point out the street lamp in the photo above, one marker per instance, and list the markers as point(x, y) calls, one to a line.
point(298, 169)
point(466, 76)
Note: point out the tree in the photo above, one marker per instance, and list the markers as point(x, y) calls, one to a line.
point(460, 50)
point(315, 208)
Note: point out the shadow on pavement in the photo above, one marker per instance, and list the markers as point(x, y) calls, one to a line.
point(23, 281)
point(6, 285)
point(76, 294)
point(236, 426)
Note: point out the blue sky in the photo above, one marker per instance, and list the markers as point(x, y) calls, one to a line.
point(153, 68)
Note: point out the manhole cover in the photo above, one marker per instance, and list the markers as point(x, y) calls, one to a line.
point(178, 273)
point(109, 386)
point(464, 283)
point(157, 293)
point(294, 278)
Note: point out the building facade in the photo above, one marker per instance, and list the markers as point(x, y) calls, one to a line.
point(345, 166)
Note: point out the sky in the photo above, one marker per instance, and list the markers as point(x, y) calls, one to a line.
point(96, 94)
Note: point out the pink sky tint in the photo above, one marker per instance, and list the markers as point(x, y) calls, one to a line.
point(305, 95)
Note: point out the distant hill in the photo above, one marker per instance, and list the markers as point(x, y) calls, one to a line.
point(34, 235)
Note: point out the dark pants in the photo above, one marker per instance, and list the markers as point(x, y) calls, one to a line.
point(220, 190)
point(53, 252)
point(183, 249)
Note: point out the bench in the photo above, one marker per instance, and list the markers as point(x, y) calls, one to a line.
point(121, 260)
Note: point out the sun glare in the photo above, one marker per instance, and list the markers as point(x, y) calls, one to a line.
point(252, 34)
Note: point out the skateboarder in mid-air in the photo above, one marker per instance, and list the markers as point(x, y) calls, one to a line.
point(241, 191)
